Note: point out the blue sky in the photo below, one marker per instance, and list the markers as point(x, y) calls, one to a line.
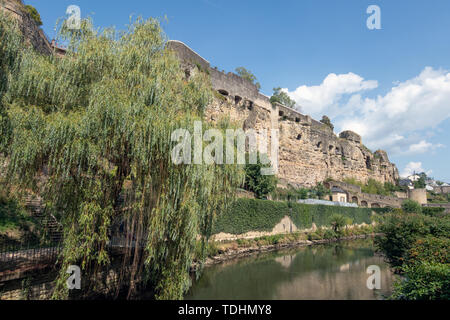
point(391, 85)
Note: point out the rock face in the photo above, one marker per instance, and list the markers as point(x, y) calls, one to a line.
point(33, 34)
point(309, 152)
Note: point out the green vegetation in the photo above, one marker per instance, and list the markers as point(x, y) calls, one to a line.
point(214, 248)
point(326, 121)
point(282, 97)
point(410, 206)
point(293, 194)
point(382, 211)
point(246, 215)
point(16, 225)
point(430, 211)
point(290, 194)
point(417, 246)
point(99, 122)
point(338, 223)
point(248, 75)
point(261, 185)
point(420, 183)
point(329, 234)
point(34, 14)
point(374, 187)
point(433, 197)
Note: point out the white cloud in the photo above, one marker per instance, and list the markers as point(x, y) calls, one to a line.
point(414, 167)
point(422, 147)
point(394, 122)
point(315, 99)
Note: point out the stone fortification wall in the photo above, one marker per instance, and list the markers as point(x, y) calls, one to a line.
point(309, 151)
point(32, 33)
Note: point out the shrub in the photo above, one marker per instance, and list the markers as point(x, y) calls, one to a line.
point(430, 249)
point(325, 120)
point(338, 222)
point(258, 183)
point(34, 14)
point(432, 211)
point(423, 281)
point(401, 231)
point(410, 206)
point(330, 234)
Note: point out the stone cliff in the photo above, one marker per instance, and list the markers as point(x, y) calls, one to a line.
point(309, 151)
point(33, 34)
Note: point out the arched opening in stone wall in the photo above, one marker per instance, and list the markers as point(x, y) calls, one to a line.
point(338, 150)
point(354, 199)
point(237, 99)
point(375, 205)
point(281, 113)
point(223, 92)
point(364, 204)
point(249, 105)
point(319, 144)
point(187, 74)
point(327, 185)
point(297, 120)
point(368, 163)
point(299, 137)
point(330, 148)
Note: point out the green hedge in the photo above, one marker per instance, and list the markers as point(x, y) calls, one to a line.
point(382, 211)
point(246, 215)
point(431, 211)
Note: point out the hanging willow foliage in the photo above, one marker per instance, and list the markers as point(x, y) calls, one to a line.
point(11, 44)
point(98, 123)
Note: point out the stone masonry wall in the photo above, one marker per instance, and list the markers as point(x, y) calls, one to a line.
point(33, 34)
point(309, 152)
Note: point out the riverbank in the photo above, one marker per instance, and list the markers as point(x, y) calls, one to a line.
point(321, 271)
point(227, 251)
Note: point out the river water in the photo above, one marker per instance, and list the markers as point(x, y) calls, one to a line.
point(328, 272)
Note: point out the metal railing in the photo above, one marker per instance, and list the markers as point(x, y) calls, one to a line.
point(22, 255)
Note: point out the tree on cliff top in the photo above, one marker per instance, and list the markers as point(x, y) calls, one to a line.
point(99, 122)
point(34, 14)
point(282, 97)
point(326, 121)
point(248, 75)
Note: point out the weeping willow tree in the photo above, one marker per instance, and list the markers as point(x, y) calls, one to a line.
point(91, 133)
point(11, 43)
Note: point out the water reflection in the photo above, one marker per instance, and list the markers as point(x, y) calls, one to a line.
point(336, 271)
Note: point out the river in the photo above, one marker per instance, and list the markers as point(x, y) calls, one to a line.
point(322, 272)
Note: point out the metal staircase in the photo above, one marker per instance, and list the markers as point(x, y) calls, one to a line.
point(47, 221)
